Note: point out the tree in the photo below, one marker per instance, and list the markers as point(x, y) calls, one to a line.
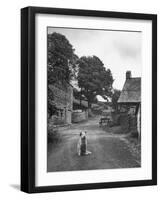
point(115, 97)
point(61, 64)
point(51, 108)
point(94, 79)
point(61, 59)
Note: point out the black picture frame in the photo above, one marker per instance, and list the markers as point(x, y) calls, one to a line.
point(28, 98)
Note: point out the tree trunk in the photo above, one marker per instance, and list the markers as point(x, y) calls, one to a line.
point(89, 108)
point(89, 104)
point(81, 97)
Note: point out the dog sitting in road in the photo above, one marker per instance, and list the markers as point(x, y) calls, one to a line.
point(82, 144)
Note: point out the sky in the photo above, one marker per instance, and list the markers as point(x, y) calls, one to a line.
point(120, 51)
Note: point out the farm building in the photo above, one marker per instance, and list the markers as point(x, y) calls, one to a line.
point(62, 101)
point(130, 102)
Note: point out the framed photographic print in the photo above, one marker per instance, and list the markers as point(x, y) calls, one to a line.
point(88, 99)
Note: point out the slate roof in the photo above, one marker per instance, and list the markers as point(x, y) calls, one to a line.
point(131, 92)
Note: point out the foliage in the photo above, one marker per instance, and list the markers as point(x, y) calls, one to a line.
point(53, 136)
point(61, 59)
point(135, 134)
point(94, 79)
point(76, 93)
point(51, 108)
point(61, 64)
point(115, 97)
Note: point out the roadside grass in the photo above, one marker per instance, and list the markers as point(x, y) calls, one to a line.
point(53, 139)
point(135, 145)
point(53, 136)
point(130, 138)
point(114, 129)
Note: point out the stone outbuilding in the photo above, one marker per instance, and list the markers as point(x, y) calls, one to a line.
point(130, 101)
point(63, 102)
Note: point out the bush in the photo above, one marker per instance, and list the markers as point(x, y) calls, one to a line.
point(134, 134)
point(53, 136)
point(56, 120)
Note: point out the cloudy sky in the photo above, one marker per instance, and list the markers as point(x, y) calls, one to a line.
point(119, 50)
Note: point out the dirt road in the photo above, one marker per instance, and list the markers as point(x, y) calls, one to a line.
point(109, 151)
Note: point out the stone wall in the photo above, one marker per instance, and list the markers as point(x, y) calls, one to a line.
point(128, 122)
point(124, 122)
point(62, 99)
point(62, 96)
point(79, 116)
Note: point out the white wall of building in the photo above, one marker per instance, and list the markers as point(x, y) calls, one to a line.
point(139, 121)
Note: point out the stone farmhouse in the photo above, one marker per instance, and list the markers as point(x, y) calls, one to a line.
point(130, 102)
point(63, 102)
point(68, 110)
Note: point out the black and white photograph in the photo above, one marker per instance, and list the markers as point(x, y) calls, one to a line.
point(93, 99)
point(89, 93)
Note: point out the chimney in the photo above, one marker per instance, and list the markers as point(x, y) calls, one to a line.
point(128, 75)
